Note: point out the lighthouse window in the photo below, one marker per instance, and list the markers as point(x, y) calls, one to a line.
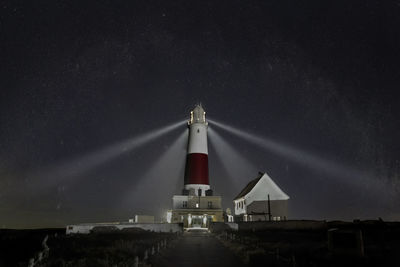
point(198, 130)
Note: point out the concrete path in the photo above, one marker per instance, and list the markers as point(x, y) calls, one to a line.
point(197, 249)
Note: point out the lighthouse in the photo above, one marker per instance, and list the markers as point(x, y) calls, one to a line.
point(196, 171)
point(196, 206)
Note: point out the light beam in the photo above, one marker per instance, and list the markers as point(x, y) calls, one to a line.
point(346, 174)
point(73, 168)
point(237, 166)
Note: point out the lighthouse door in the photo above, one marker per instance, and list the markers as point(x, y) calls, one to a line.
point(197, 221)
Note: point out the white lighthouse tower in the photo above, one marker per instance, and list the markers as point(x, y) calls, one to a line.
point(197, 206)
point(196, 172)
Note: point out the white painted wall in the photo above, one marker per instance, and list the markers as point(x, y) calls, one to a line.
point(265, 186)
point(154, 227)
point(144, 219)
point(240, 206)
point(177, 201)
point(196, 187)
point(198, 138)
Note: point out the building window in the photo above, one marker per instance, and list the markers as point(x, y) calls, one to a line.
point(184, 204)
point(209, 204)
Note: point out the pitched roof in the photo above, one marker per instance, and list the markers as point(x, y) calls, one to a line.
point(249, 186)
point(268, 187)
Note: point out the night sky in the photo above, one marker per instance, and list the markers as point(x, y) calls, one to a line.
point(78, 76)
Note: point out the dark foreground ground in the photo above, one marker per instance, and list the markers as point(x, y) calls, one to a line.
point(18, 246)
point(197, 249)
point(315, 243)
point(51, 247)
point(338, 244)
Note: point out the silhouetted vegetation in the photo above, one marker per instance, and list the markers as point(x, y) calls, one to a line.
point(18, 246)
point(100, 248)
point(368, 243)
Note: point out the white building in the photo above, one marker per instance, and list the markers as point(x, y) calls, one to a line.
point(261, 200)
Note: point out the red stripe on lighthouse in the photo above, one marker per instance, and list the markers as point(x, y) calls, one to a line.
point(196, 171)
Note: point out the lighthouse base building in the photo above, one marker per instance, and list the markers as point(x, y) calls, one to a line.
point(195, 211)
